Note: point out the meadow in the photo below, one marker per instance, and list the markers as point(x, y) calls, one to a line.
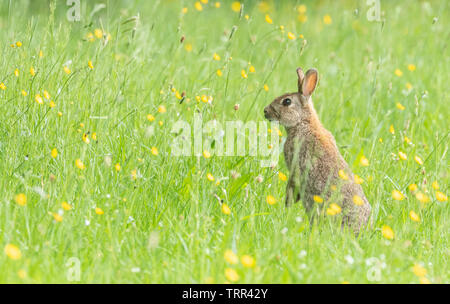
point(91, 192)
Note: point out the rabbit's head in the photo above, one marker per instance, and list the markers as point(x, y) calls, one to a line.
point(292, 108)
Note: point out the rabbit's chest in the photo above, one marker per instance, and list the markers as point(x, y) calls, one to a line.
point(298, 154)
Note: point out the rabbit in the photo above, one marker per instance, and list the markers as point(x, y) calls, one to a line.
point(318, 173)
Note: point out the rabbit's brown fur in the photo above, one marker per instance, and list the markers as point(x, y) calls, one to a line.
point(313, 158)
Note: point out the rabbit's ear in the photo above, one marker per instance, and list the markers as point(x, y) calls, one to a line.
point(301, 77)
point(310, 82)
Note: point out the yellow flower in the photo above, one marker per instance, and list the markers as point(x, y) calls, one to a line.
point(268, 19)
point(402, 155)
point(318, 199)
point(204, 1)
point(39, 99)
point(244, 74)
point(236, 6)
point(46, 94)
point(230, 257)
point(397, 195)
point(327, 19)
point(219, 72)
point(301, 9)
point(418, 160)
point(411, 67)
point(391, 129)
point(94, 136)
point(198, 6)
point(99, 211)
point(363, 161)
point(32, 71)
point(251, 69)
point(358, 179)
point(419, 270)
point(231, 275)
point(435, 185)
point(160, 122)
point(18, 44)
point(21, 199)
point(58, 217)
point(85, 138)
point(2, 86)
point(282, 176)
point(66, 206)
point(16, 72)
point(216, 57)
point(206, 154)
point(225, 209)
point(184, 10)
point(266, 88)
point(291, 35)
point(400, 106)
point(210, 177)
point(387, 232)
point(335, 207)
point(343, 175)
point(302, 18)
point(248, 261)
point(154, 151)
point(162, 109)
point(52, 104)
point(412, 187)
point(98, 33)
point(90, 65)
point(22, 274)
point(117, 167)
point(357, 200)
point(54, 153)
point(424, 280)
point(79, 164)
point(150, 117)
point(66, 70)
point(398, 72)
point(188, 47)
point(408, 86)
point(414, 216)
point(246, 17)
point(271, 200)
point(24, 93)
point(421, 197)
point(13, 252)
point(41, 54)
point(441, 196)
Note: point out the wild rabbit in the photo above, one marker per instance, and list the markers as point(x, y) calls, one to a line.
point(318, 172)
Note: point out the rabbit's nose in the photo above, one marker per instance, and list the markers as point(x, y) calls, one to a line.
point(266, 112)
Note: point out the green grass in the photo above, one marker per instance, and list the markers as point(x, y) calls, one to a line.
point(168, 222)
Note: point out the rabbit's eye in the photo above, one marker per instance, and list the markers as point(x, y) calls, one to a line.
point(286, 102)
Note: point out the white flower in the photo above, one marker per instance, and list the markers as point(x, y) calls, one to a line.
point(302, 254)
point(349, 259)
